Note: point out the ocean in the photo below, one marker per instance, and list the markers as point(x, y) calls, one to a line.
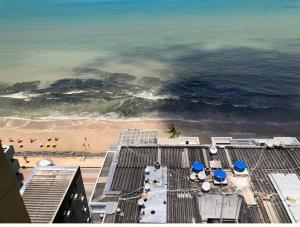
point(196, 60)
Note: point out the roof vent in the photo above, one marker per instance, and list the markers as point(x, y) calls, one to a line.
point(147, 187)
point(207, 171)
point(118, 210)
point(205, 186)
point(220, 175)
point(141, 203)
point(193, 176)
point(147, 170)
point(240, 166)
point(197, 167)
point(202, 176)
point(213, 149)
point(157, 165)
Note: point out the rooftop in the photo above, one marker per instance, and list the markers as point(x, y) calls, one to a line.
point(135, 136)
point(44, 191)
point(255, 198)
point(179, 141)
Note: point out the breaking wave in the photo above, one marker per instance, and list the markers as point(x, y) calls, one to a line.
point(26, 96)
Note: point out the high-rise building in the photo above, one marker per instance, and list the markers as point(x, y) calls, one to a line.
point(55, 194)
point(9, 152)
point(12, 208)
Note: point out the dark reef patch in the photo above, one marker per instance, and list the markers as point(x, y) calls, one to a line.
point(226, 84)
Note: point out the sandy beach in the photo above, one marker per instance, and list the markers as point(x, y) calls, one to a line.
point(92, 135)
point(67, 135)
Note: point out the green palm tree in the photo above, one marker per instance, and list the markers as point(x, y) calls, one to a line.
point(173, 131)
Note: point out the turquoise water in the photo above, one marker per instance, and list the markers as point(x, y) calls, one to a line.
point(46, 40)
point(226, 60)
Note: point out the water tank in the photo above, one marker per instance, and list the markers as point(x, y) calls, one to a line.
point(193, 176)
point(207, 171)
point(205, 186)
point(239, 165)
point(220, 175)
point(197, 167)
point(202, 175)
point(213, 149)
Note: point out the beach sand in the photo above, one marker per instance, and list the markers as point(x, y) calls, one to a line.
point(74, 135)
point(91, 135)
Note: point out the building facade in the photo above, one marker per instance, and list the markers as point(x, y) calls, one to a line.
point(9, 152)
point(12, 208)
point(55, 194)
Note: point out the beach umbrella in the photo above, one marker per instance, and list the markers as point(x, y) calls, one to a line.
point(19, 141)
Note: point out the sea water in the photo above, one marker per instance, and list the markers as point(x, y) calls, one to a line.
point(228, 60)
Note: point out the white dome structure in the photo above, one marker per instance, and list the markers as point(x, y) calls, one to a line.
point(213, 149)
point(205, 186)
point(202, 176)
point(193, 176)
point(45, 162)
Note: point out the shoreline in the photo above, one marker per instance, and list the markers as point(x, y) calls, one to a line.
point(130, 119)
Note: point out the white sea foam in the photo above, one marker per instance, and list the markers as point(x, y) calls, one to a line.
point(73, 92)
point(116, 117)
point(149, 95)
point(21, 95)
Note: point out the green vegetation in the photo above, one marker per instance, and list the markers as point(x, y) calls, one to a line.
point(173, 131)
